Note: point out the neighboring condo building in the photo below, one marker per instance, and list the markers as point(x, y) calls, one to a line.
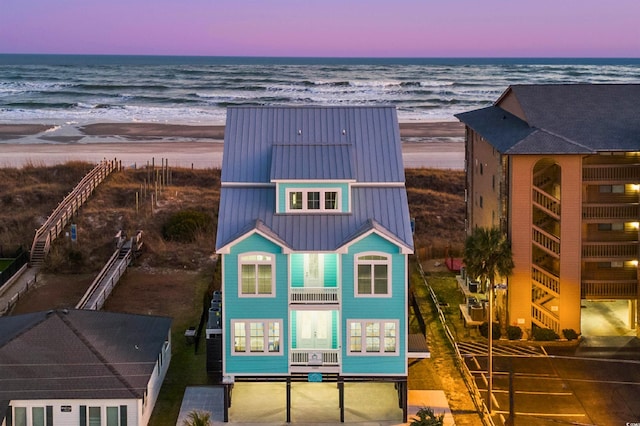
point(557, 168)
point(314, 236)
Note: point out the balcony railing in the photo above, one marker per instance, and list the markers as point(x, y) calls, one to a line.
point(544, 318)
point(609, 250)
point(620, 289)
point(608, 211)
point(611, 172)
point(314, 295)
point(315, 357)
point(546, 202)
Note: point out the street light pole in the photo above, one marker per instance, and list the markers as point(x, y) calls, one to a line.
point(490, 349)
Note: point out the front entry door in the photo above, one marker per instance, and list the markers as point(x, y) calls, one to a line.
point(313, 329)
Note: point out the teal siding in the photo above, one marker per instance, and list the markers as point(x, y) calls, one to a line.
point(334, 328)
point(297, 270)
point(271, 308)
point(294, 330)
point(331, 270)
point(361, 308)
point(282, 193)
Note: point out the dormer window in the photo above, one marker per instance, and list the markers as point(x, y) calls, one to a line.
point(313, 200)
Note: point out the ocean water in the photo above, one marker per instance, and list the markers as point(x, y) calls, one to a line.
point(70, 89)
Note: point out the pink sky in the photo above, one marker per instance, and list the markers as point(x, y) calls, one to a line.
point(366, 28)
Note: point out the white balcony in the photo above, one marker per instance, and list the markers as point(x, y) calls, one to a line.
point(315, 357)
point(314, 295)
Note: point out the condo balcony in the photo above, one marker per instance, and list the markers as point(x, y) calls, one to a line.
point(609, 289)
point(612, 173)
point(599, 212)
point(610, 250)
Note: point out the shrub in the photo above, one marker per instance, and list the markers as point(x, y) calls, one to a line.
point(484, 330)
point(544, 334)
point(197, 418)
point(185, 225)
point(426, 417)
point(570, 334)
point(514, 332)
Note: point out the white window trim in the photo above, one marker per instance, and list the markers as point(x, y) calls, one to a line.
point(356, 262)
point(247, 337)
point(363, 343)
point(305, 193)
point(272, 262)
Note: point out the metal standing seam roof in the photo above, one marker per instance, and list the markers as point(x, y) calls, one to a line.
point(563, 119)
point(312, 162)
point(72, 354)
point(366, 142)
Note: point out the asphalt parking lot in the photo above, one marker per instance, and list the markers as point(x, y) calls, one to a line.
point(595, 383)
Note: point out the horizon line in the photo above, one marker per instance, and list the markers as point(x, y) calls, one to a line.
point(319, 57)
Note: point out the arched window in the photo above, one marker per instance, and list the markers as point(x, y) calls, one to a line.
point(373, 274)
point(256, 274)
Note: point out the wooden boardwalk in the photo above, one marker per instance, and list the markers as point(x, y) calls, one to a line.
point(67, 208)
point(102, 286)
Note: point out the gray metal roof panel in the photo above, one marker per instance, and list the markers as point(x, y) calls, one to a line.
point(388, 206)
point(312, 162)
point(104, 355)
point(372, 132)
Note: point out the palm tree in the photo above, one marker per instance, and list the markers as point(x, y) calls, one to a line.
point(198, 418)
point(426, 417)
point(487, 254)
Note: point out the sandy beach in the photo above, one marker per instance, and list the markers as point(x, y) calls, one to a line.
point(425, 144)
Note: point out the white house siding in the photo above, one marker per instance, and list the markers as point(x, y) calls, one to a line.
point(155, 383)
point(72, 418)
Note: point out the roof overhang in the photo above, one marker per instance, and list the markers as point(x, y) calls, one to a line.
point(260, 229)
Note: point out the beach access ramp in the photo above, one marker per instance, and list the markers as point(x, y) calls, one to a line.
point(104, 283)
point(66, 210)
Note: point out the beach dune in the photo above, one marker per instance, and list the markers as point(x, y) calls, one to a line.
point(425, 144)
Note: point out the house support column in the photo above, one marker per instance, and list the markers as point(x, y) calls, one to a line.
point(288, 399)
point(341, 398)
point(227, 401)
point(402, 393)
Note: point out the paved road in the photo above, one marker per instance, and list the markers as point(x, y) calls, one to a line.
point(588, 385)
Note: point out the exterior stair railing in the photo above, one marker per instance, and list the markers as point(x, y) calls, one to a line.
point(65, 211)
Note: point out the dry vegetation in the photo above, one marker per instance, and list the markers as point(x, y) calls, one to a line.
point(29, 194)
point(170, 278)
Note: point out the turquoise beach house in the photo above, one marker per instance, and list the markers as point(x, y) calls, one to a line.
point(314, 235)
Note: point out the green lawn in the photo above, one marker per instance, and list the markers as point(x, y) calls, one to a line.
point(187, 367)
point(4, 263)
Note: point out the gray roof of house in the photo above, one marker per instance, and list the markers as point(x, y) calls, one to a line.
point(71, 354)
point(315, 143)
point(563, 119)
point(312, 162)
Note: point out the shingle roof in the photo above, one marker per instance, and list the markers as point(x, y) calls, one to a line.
point(563, 119)
point(78, 354)
point(339, 143)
